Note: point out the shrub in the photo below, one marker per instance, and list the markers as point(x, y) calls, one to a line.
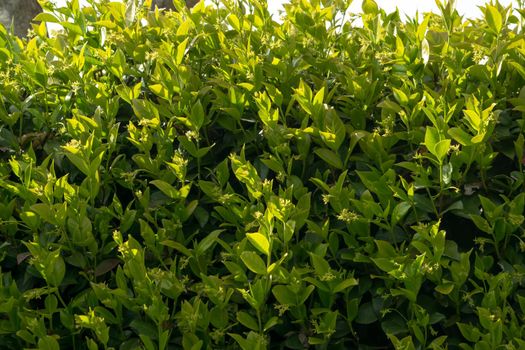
point(215, 179)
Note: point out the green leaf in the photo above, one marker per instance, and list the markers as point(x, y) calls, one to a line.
point(394, 324)
point(389, 106)
point(432, 138)
point(284, 295)
point(147, 342)
point(166, 188)
point(160, 90)
point(117, 61)
point(55, 268)
point(79, 162)
point(519, 145)
point(320, 265)
point(481, 223)
point(385, 264)
point(181, 50)
point(51, 303)
point(45, 212)
point(400, 96)
point(184, 28)
point(441, 149)
point(400, 210)
point(333, 130)
point(329, 157)
point(259, 290)
point(445, 288)
point(253, 262)
point(197, 115)
point(370, 7)
point(460, 136)
point(367, 314)
point(490, 208)
point(493, 18)
point(177, 246)
point(104, 23)
point(247, 320)
point(346, 284)
point(260, 242)
point(319, 97)
point(521, 72)
point(233, 20)
point(207, 242)
point(483, 345)
point(470, 332)
point(474, 119)
point(423, 26)
point(48, 343)
point(127, 220)
point(478, 138)
point(243, 343)
point(46, 17)
point(400, 48)
point(273, 321)
point(385, 249)
point(305, 294)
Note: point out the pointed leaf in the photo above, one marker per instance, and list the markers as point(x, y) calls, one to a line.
point(494, 19)
point(260, 242)
point(329, 157)
point(253, 262)
point(370, 7)
point(247, 320)
point(431, 139)
point(166, 188)
point(441, 149)
point(460, 136)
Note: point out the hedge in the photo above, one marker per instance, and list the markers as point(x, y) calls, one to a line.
point(216, 179)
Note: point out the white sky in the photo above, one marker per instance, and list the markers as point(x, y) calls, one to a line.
point(469, 8)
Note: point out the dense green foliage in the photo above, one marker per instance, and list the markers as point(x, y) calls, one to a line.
point(215, 179)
